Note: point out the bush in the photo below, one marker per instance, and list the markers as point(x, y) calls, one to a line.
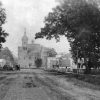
point(38, 62)
point(17, 67)
point(7, 67)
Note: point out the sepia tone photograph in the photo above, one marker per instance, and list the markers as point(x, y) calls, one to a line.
point(49, 49)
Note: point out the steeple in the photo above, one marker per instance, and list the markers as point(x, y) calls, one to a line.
point(24, 39)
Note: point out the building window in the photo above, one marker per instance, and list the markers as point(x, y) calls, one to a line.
point(30, 64)
point(28, 51)
point(30, 57)
point(24, 48)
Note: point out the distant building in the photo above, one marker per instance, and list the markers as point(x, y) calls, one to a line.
point(28, 53)
point(52, 62)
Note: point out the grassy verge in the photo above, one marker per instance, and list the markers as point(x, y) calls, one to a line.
point(2, 77)
point(90, 81)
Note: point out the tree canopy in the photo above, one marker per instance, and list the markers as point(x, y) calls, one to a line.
point(3, 34)
point(79, 21)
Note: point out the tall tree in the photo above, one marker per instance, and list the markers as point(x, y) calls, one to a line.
point(79, 21)
point(3, 34)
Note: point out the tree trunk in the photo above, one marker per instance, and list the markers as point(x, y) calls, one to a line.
point(88, 67)
point(87, 70)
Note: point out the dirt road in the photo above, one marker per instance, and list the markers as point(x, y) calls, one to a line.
point(38, 85)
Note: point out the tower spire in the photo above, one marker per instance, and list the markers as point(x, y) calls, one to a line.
point(24, 38)
point(24, 31)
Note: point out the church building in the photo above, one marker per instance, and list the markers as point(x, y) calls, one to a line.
point(28, 53)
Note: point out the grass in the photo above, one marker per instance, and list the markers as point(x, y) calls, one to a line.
point(2, 77)
point(90, 81)
point(95, 71)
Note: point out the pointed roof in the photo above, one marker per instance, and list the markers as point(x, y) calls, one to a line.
point(25, 38)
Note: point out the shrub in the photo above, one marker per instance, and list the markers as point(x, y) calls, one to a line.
point(38, 62)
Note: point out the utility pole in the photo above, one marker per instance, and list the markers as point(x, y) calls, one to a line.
point(77, 63)
point(77, 57)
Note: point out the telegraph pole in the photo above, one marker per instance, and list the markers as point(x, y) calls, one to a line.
point(77, 62)
point(77, 57)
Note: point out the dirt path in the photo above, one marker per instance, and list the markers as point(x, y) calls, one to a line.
point(39, 85)
point(21, 89)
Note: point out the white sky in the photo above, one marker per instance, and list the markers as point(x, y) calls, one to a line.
point(29, 14)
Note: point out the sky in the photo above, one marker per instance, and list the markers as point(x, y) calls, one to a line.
point(29, 15)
